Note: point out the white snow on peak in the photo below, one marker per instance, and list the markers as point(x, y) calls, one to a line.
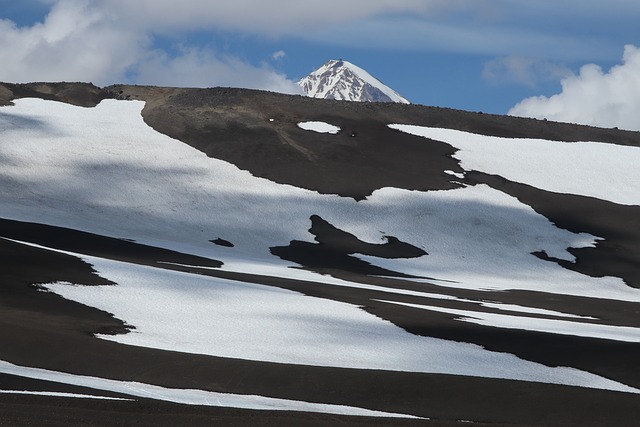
point(342, 80)
point(320, 127)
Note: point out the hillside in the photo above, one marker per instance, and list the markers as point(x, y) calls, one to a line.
point(244, 257)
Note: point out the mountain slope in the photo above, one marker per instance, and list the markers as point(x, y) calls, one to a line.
point(182, 243)
point(342, 80)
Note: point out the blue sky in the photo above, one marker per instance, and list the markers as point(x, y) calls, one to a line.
point(478, 55)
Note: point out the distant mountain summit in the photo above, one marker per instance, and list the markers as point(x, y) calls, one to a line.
point(343, 80)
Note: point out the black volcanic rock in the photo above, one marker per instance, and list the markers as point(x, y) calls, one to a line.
point(222, 242)
point(335, 248)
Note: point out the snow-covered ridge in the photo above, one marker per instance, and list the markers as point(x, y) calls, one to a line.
point(342, 80)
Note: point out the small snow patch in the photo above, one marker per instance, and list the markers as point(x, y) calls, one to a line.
point(61, 394)
point(456, 174)
point(320, 127)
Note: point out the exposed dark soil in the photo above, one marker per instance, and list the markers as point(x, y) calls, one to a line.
point(81, 94)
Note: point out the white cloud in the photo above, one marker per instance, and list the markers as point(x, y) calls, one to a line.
point(543, 29)
point(84, 40)
point(522, 70)
point(278, 55)
point(258, 16)
point(110, 41)
point(459, 34)
point(202, 68)
point(74, 42)
point(593, 97)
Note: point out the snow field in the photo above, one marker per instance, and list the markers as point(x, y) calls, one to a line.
point(79, 164)
point(590, 169)
point(253, 322)
point(103, 170)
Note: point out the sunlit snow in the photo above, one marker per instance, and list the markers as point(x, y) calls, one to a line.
point(563, 327)
point(584, 168)
point(343, 80)
point(364, 75)
point(320, 127)
point(59, 394)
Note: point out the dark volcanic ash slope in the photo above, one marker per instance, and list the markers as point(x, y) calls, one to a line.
point(81, 94)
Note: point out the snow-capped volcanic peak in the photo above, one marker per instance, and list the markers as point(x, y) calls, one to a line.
point(343, 80)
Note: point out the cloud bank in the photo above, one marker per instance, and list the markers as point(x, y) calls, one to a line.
point(110, 41)
point(194, 67)
point(258, 16)
point(74, 42)
point(593, 97)
point(114, 41)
